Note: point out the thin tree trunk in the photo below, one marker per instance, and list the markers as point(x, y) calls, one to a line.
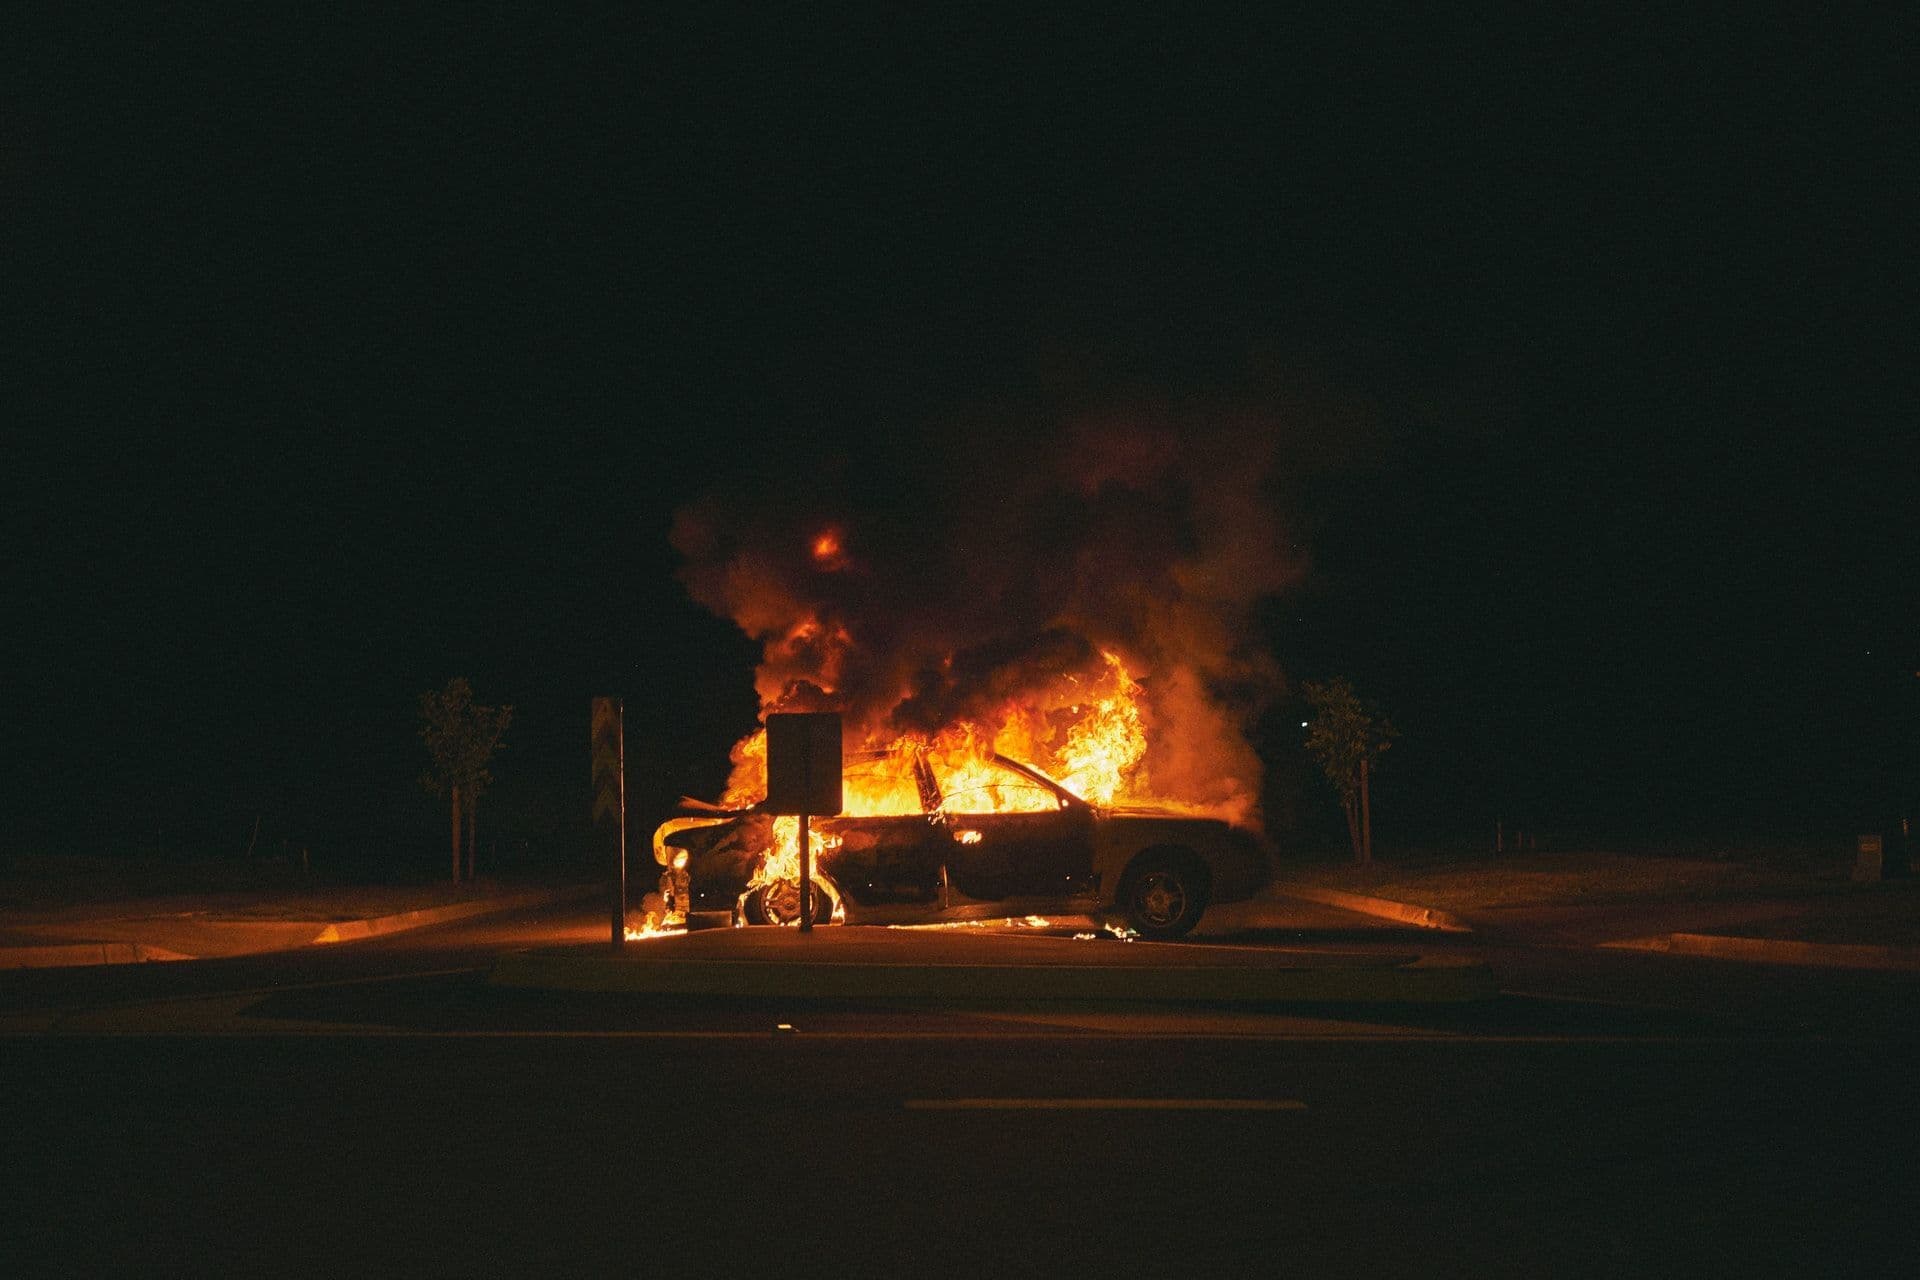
point(1366, 817)
point(1353, 827)
point(456, 833)
point(473, 826)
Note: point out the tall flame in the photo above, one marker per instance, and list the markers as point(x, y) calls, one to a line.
point(1094, 747)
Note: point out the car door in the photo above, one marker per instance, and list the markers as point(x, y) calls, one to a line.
point(1015, 838)
point(892, 857)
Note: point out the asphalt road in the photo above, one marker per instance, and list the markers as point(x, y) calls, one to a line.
point(375, 1108)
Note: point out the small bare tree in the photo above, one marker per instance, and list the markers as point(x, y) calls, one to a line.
point(461, 738)
point(1347, 736)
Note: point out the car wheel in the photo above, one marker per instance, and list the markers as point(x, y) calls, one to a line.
point(779, 903)
point(1163, 895)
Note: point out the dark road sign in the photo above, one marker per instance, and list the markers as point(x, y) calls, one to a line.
point(803, 764)
point(803, 779)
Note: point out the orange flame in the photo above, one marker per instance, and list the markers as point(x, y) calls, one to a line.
point(1091, 737)
point(1092, 745)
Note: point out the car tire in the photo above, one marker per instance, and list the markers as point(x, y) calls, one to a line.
point(1163, 894)
point(779, 903)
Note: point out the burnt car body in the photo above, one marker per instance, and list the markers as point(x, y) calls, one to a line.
point(960, 854)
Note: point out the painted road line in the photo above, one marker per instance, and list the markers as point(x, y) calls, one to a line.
point(1229, 1022)
point(1551, 998)
point(29, 1028)
point(1104, 1104)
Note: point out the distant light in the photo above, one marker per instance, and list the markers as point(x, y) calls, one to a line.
point(826, 547)
point(1303, 724)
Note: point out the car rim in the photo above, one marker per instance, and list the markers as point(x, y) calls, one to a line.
point(781, 902)
point(1160, 898)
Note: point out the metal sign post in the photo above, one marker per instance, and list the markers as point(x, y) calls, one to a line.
point(806, 877)
point(610, 803)
point(803, 780)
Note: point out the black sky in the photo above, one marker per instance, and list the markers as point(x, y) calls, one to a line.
point(349, 348)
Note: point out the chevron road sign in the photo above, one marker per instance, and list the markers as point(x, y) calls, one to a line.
point(609, 798)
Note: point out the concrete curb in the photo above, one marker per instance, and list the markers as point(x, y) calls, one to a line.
point(379, 926)
point(58, 955)
point(1384, 908)
point(1837, 955)
point(1426, 980)
point(64, 954)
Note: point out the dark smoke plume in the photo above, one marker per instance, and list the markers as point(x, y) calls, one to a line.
point(911, 590)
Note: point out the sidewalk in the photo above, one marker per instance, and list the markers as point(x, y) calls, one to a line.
point(1809, 913)
point(132, 932)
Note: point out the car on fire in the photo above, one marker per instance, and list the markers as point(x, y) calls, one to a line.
point(1002, 839)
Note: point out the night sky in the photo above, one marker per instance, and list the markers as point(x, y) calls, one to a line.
point(351, 348)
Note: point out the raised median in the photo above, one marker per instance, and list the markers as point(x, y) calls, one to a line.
point(856, 963)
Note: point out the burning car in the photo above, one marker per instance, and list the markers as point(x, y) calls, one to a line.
point(939, 837)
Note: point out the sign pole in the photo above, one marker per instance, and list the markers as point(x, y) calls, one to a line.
point(620, 870)
point(806, 878)
point(610, 802)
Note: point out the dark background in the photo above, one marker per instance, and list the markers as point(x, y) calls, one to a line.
point(351, 348)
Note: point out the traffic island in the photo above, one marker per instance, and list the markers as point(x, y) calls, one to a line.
point(1381, 908)
point(871, 963)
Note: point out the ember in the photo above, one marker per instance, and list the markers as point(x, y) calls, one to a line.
point(826, 549)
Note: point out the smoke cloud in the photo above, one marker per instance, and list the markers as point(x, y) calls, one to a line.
point(946, 581)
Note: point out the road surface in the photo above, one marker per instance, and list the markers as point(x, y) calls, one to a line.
point(376, 1108)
